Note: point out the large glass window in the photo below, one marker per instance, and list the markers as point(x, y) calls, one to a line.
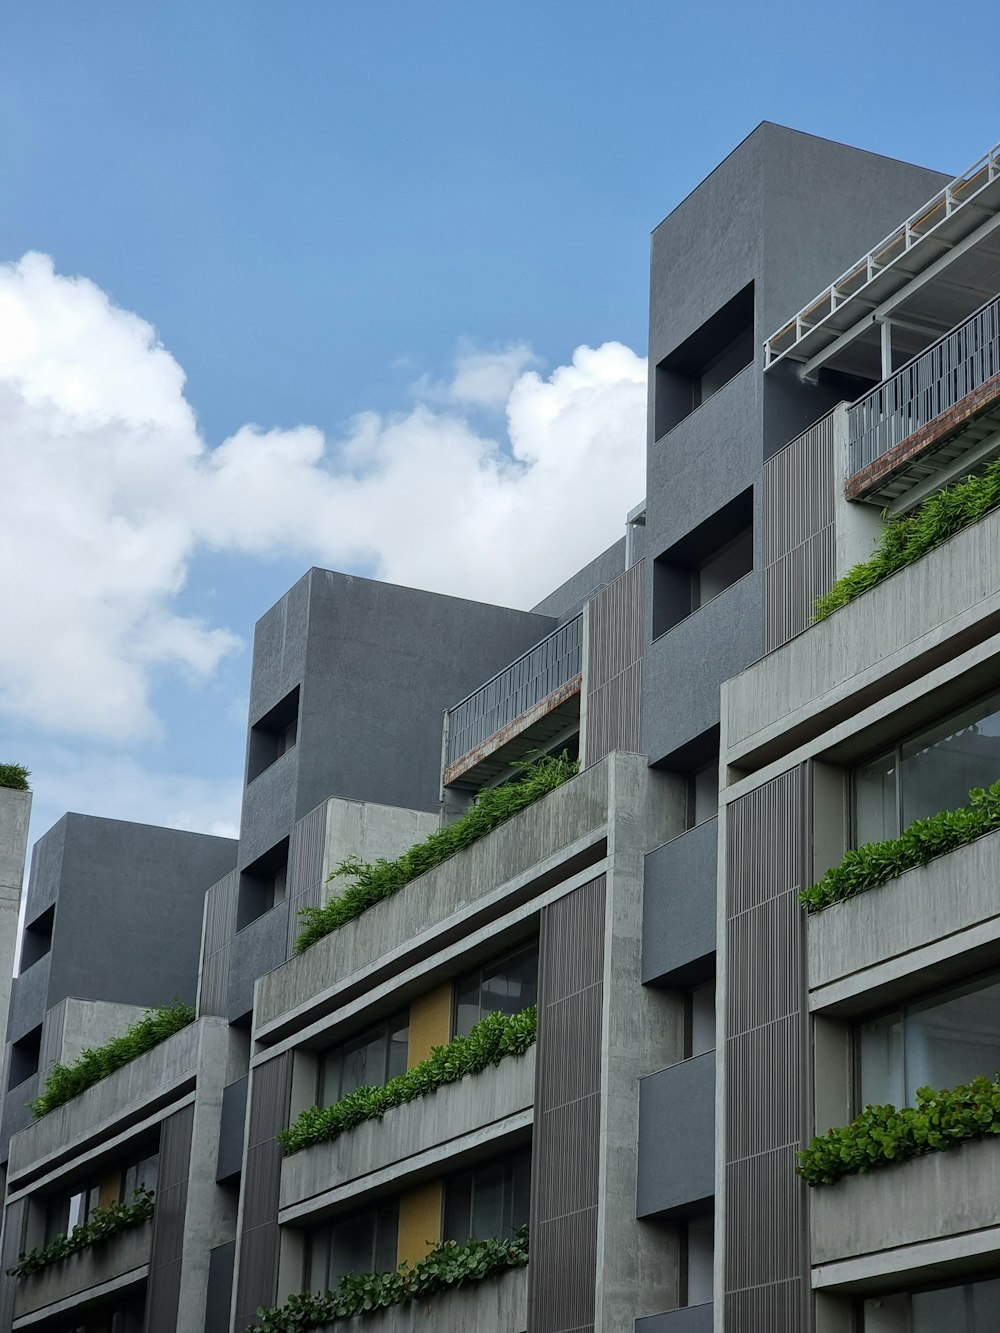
point(71, 1210)
point(368, 1060)
point(932, 771)
point(971, 1307)
point(362, 1242)
point(938, 1043)
point(506, 985)
point(142, 1173)
point(491, 1200)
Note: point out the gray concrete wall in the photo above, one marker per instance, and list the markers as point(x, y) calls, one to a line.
point(677, 1138)
point(15, 811)
point(497, 1305)
point(678, 914)
point(567, 600)
point(76, 1276)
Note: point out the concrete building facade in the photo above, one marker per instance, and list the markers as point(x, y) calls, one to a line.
point(693, 1027)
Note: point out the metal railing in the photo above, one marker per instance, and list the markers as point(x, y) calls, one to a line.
point(515, 689)
point(930, 384)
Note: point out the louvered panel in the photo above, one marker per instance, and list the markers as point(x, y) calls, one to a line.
point(258, 1265)
point(305, 870)
point(615, 645)
point(168, 1222)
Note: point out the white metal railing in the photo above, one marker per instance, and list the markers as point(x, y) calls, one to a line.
point(527, 681)
point(955, 195)
point(935, 380)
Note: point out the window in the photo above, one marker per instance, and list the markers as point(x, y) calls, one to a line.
point(697, 1259)
point(703, 564)
point(370, 1059)
point(968, 1307)
point(273, 735)
point(66, 1211)
point(263, 884)
point(71, 1210)
point(24, 1057)
point(491, 1200)
point(703, 794)
point(506, 985)
point(37, 939)
point(704, 362)
point(362, 1242)
point(143, 1172)
point(931, 771)
point(937, 1042)
point(699, 1020)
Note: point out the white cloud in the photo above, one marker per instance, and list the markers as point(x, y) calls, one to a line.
point(109, 493)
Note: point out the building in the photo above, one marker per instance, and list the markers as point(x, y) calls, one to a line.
point(677, 1027)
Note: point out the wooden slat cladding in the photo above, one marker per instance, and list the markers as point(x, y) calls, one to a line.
point(799, 537)
point(305, 869)
point(164, 1285)
point(566, 1149)
point(766, 1286)
point(615, 642)
point(258, 1267)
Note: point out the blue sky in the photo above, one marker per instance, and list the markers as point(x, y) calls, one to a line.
point(393, 223)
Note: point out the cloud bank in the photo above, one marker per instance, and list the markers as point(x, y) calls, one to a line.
point(109, 493)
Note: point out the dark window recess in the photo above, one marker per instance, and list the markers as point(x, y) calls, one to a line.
point(368, 1060)
point(504, 985)
point(24, 1057)
point(37, 940)
point(967, 1307)
point(703, 363)
point(361, 1242)
point(697, 1246)
point(491, 1200)
point(275, 733)
point(703, 794)
point(705, 562)
point(263, 884)
point(699, 1019)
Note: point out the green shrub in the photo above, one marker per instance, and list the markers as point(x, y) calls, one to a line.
point(876, 862)
point(882, 1135)
point(14, 776)
point(67, 1081)
point(448, 1265)
point(381, 879)
point(102, 1224)
point(906, 538)
point(490, 1041)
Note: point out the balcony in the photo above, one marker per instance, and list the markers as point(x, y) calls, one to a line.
point(522, 708)
point(936, 418)
point(116, 1265)
point(677, 1139)
point(496, 1305)
point(678, 914)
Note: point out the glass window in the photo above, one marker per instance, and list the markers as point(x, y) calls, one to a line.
point(937, 1043)
point(970, 1307)
point(71, 1210)
point(363, 1242)
point(506, 985)
point(368, 1060)
point(489, 1201)
point(142, 1172)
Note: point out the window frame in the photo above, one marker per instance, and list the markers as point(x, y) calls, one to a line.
point(397, 1021)
point(491, 964)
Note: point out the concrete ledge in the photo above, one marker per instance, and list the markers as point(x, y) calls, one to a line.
point(497, 1305)
point(883, 928)
point(945, 1194)
point(123, 1255)
point(689, 1319)
point(499, 870)
point(435, 1120)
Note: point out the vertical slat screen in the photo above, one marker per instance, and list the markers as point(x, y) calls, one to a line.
point(256, 1281)
point(305, 869)
point(616, 639)
point(766, 1271)
point(220, 925)
point(799, 535)
point(565, 1151)
point(163, 1290)
point(13, 1243)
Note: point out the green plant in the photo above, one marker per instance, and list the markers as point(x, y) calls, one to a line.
point(882, 1135)
point(490, 1041)
point(14, 776)
point(876, 862)
point(906, 538)
point(67, 1081)
point(449, 1265)
point(103, 1223)
point(381, 879)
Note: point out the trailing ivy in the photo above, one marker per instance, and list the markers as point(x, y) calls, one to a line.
point(882, 1135)
point(67, 1081)
point(490, 1041)
point(906, 538)
point(14, 776)
point(381, 879)
point(102, 1224)
point(877, 862)
point(448, 1266)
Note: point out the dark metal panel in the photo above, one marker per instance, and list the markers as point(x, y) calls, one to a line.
point(232, 1125)
point(679, 907)
point(797, 512)
point(220, 1287)
point(13, 1244)
point(220, 924)
point(766, 1252)
point(258, 1267)
point(615, 642)
point(677, 1139)
point(168, 1222)
point(566, 1145)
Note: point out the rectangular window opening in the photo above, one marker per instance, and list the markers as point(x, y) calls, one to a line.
point(24, 1057)
point(263, 884)
point(704, 563)
point(37, 939)
point(370, 1059)
point(504, 985)
point(489, 1201)
point(705, 362)
point(273, 735)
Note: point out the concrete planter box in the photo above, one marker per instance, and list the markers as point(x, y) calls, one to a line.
point(125, 1254)
point(465, 887)
point(933, 902)
point(478, 1104)
point(943, 1194)
point(497, 1305)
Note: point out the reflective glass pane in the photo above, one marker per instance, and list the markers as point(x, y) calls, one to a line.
point(317, 1261)
point(458, 1207)
point(328, 1084)
point(399, 1045)
point(882, 1061)
point(875, 800)
point(352, 1246)
point(984, 1300)
point(364, 1063)
point(511, 984)
point(521, 1207)
point(386, 1237)
point(953, 1038)
point(467, 1005)
point(940, 768)
point(488, 1198)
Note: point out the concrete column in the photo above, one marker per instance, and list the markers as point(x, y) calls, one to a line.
point(15, 810)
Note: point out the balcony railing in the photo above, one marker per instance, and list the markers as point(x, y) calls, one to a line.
point(513, 691)
point(936, 380)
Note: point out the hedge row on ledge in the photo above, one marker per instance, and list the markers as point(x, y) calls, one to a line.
point(14, 776)
point(102, 1224)
point(906, 538)
point(448, 1266)
point(382, 878)
point(490, 1041)
point(882, 1135)
point(67, 1081)
point(877, 862)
